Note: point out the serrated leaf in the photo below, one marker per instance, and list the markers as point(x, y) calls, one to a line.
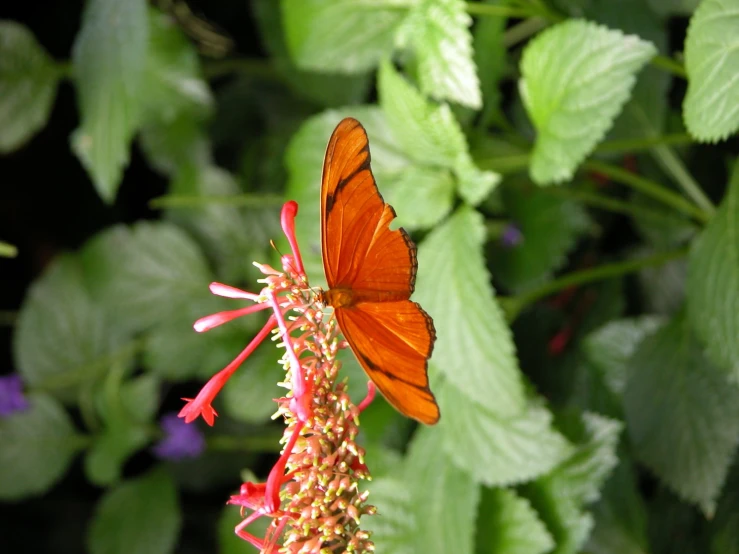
point(141, 515)
point(550, 225)
point(395, 523)
point(28, 81)
point(610, 347)
point(326, 89)
point(250, 394)
point(620, 516)
point(713, 282)
point(38, 446)
point(173, 83)
point(561, 495)
point(430, 135)
point(444, 498)
point(142, 274)
point(438, 33)
point(507, 524)
point(576, 77)
point(682, 414)
point(341, 35)
point(424, 196)
point(474, 348)
point(63, 338)
point(498, 450)
point(663, 286)
point(304, 160)
point(109, 58)
point(168, 146)
point(711, 105)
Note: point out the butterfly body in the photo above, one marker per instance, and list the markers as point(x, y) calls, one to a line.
point(371, 272)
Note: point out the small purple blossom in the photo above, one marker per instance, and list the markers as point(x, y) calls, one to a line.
point(511, 236)
point(180, 439)
point(11, 395)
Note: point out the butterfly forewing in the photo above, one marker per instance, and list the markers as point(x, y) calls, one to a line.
point(371, 273)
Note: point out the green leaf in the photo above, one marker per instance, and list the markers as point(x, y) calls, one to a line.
point(550, 225)
point(141, 515)
point(38, 446)
point(143, 274)
point(424, 195)
point(663, 287)
point(228, 541)
point(430, 135)
point(725, 526)
point(620, 516)
point(63, 339)
point(28, 81)
point(713, 282)
point(711, 105)
point(325, 89)
point(498, 450)
point(109, 58)
point(168, 146)
point(559, 497)
point(491, 58)
point(674, 7)
point(682, 414)
point(576, 78)
point(610, 348)
point(474, 348)
point(127, 410)
point(507, 524)
point(444, 498)
point(395, 523)
point(250, 393)
point(304, 159)
point(438, 33)
point(341, 35)
point(173, 83)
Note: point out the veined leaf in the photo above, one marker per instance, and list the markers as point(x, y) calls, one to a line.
point(711, 106)
point(28, 81)
point(38, 446)
point(64, 339)
point(143, 274)
point(498, 450)
point(507, 524)
point(474, 348)
point(424, 195)
point(109, 60)
point(141, 515)
point(430, 135)
point(341, 35)
point(713, 282)
point(438, 32)
point(682, 414)
point(576, 77)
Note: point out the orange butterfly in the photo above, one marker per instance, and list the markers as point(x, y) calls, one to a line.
point(371, 273)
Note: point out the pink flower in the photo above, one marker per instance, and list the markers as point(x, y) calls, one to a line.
point(312, 492)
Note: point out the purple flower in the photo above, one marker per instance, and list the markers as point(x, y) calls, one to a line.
point(11, 395)
point(511, 236)
point(180, 439)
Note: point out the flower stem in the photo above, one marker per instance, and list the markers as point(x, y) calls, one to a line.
point(648, 187)
point(513, 305)
point(264, 443)
point(492, 10)
point(675, 167)
point(249, 200)
point(523, 30)
point(646, 143)
point(670, 65)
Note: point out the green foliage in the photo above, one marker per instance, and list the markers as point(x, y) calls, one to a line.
point(713, 282)
point(576, 78)
point(711, 106)
point(38, 446)
point(109, 61)
point(598, 424)
point(140, 515)
point(28, 81)
point(682, 414)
